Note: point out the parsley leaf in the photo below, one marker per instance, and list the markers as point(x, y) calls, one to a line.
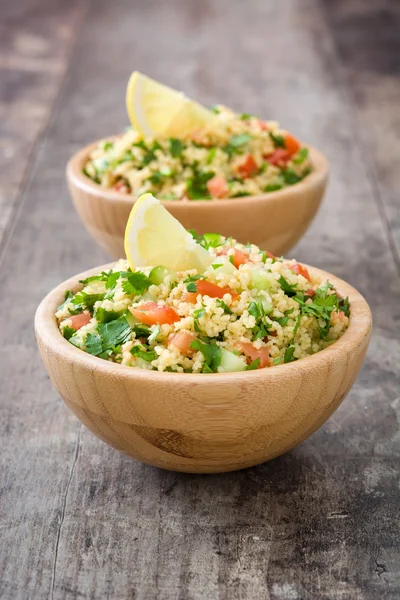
point(197, 185)
point(212, 240)
point(212, 354)
point(114, 332)
point(86, 300)
point(223, 305)
point(253, 365)
point(141, 330)
point(287, 287)
point(176, 147)
point(301, 156)
point(143, 353)
point(290, 177)
point(288, 356)
point(279, 140)
point(245, 116)
point(68, 332)
point(137, 283)
point(68, 297)
point(93, 344)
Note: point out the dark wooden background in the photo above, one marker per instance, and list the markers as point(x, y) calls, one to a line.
point(79, 520)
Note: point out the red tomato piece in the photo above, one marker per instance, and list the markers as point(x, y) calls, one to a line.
point(300, 270)
point(238, 257)
point(206, 288)
point(248, 167)
point(269, 254)
point(182, 341)
point(278, 158)
point(191, 297)
point(310, 293)
point(151, 313)
point(253, 353)
point(291, 144)
point(78, 321)
point(217, 186)
point(121, 187)
point(263, 125)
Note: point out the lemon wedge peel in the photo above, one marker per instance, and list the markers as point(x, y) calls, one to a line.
point(154, 237)
point(155, 110)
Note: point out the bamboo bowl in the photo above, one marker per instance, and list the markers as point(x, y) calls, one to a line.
point(203, 423)
point(274, 221)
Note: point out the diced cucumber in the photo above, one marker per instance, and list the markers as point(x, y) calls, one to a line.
point(230, 362)
point(132, 321)
point(105, 316)
point(267, 304)
point(260, 279)
point(147, 297)
point(158, 275)
point(226, 266)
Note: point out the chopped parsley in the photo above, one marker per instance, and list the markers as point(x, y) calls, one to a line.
point(288, 356)
point(197, 184)
point(279, 140)
point(212, 355)
point(253, 365)
point(68, 332)
point(176, 147)
point(223, 305)
point(114, 333)
point(289, 289)
point(143, 353)
point(301, 156)
point(93, 344)
point(290, 177)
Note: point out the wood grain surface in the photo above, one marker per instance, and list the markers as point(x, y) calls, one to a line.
point(80, 520)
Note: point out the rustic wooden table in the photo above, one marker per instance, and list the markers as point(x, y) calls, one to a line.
point(78, 519)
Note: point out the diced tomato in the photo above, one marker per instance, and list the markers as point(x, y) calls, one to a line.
point(300, 270)
point(262, 125)
point(206, 288)
point(310, 293)
point(182, 341)
point(238, 257)
point(151, 313)
point(217, 186)
point(248, 167)
point(190, 297)
point(291, 144)
point(121, 186)
point(253, 353)
point(78, 321)
point(278, 158)
point(339, 315)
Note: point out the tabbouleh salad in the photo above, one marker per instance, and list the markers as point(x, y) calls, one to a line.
point(240, 155)
point(247, 310)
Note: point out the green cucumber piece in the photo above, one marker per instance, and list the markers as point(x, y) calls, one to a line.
point(230, 362)
point(259, 279)
point(226, 265)
point(158, 275)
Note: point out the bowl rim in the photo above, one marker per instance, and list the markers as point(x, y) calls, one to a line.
point(76, 177)
point(47, 332)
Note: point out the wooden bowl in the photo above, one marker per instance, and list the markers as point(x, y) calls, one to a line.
point(203, 423)
point(274, 221)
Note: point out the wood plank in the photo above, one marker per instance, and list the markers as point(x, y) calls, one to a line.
point(367, 39)
point(35, 42)
point(81, 520)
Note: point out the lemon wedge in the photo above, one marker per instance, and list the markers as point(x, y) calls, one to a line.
point(157, 110)
point(154, 237)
